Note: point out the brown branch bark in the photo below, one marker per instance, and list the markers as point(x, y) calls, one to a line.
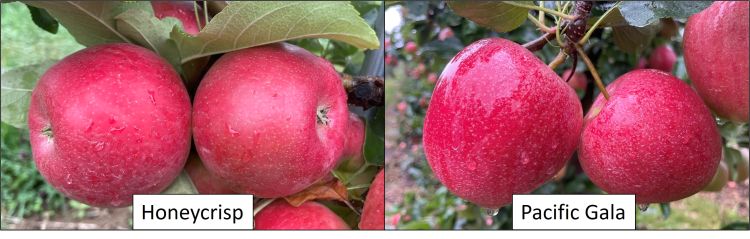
point(538, 44)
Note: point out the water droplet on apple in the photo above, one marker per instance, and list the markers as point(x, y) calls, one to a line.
point(492, 211)
point(643, 207)
point(68, 179)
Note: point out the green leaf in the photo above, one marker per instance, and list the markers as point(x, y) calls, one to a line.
point(16, 86)
point(642, 13)
point(91, 23)
point(247, 24)
point(43, 20)
point(634, 39)
point(416, 225)
point(737, 226)
point(181, 185)
point(666, 210)
point(141, 26)
point(500, 16)
point(374, 138)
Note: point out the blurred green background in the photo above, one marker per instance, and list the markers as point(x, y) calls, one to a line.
point(415, 199)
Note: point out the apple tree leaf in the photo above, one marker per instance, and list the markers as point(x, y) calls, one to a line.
point(500, 16)
point(91, 23)
point(374, 138)
point(141, 26)
point(246, 24)
point(16, 86)
point(181, 185)
point(643, 13)
point(43, 20)
point(325, 190)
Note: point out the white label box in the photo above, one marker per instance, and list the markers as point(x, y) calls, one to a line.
point(609, 211)
point(196, 212)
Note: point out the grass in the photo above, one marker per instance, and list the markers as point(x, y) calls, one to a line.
point(694, 212)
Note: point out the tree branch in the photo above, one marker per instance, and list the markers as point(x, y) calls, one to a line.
point(364, 91)
point(538, 44)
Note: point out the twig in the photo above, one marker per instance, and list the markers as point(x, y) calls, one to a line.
point(559, 59)
point(535, 7)
point(538, 44)
point(596, 24)
point(540, 24)
point(364, 91)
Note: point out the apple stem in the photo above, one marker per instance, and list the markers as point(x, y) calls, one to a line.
point(262, 204)
point(364, 91)
point(559, 59)
point(594, 73)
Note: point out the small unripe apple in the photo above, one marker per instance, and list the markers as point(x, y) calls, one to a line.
point(719, 180)
point(410, 47)
point(577, 81)
point(270, 120)
point(716, 51)
point(742, 165)
point(110, 121)
point(183, 11)
point(654, 138)
point(280, 215)
point(203, 180)
point(663, 58)
point(500, 122)
point(445, 33)
point(352, 158)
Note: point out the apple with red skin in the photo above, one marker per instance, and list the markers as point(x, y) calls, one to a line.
point(110, 121)
point(270, 120)
point(391, 60)
point(204, 181)
point(432, 78)
point(642, 64)
point(355, 138)
point(373, 214)
point(410, 47)
point(183, 11)
point(663, 58)
point(577, 81)
point(716, 51)
point(280, 215)
point(500, 122)
point(654, 138)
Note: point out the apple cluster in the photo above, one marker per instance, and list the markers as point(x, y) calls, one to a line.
point(501, 122)
point(114, 120)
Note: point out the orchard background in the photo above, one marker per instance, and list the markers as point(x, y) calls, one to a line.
point(32, 40)
point(421, 37)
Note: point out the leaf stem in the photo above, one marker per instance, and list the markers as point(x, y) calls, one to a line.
point(596, 24)
point(262, 204)
point(205, 13)
point(197, 18)
point(358, 186)
point(540, 24)
point(594, 73)
point(559, 59)
point(541, 13)
point(359, 171)
point(535, 7)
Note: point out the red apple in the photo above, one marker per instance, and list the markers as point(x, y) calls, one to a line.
point(270, 120)
point(183, 11)
point(401, 107)
point(373, 215)
point(654, 138)
point(204, 181)
point(110, 121)
point(391, 60)
point(445, 33)
point(577, 81)
point(663, 58)
point(352, 158)
point(280, 215)
point(387, 44)
point(500, 122)
point(716, 51)
point(410, 47)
